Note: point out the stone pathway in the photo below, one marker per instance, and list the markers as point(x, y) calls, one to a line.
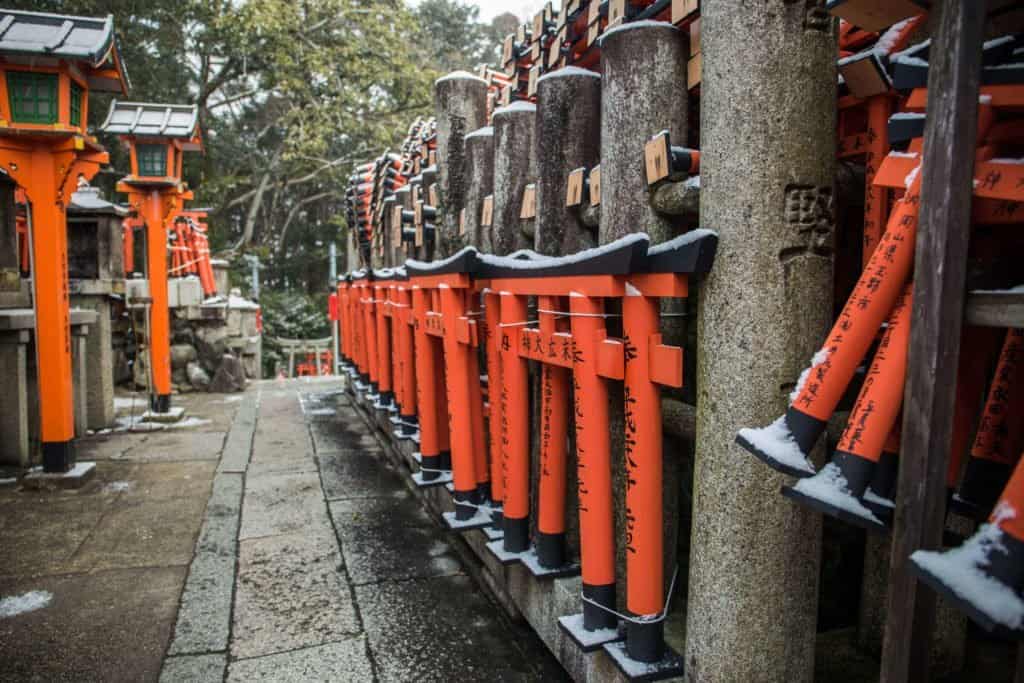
point(314, 562)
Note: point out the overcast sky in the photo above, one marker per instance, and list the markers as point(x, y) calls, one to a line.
point(523, 9)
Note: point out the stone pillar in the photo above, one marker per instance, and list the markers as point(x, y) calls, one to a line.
point(80, 379)
point(643, 70)
point(480, 176)
point(460, 106)
point(14, 399)
point(99, 361)
point(568, 137)
point(643, 92)
point(767, 173)
point(514, 168)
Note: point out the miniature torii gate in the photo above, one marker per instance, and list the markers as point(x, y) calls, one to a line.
point(50, 63)
point(157, 135)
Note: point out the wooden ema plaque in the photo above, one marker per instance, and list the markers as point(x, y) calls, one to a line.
point(616, 12)
point(593, 22)
point(693, 69)
point(535, 51)
point(595, 185)
point(432, 158)
point(656, 159)
point(521, 35)
point(396, 225)
point(574, 187)
point(432, 195)
point(531, 87)
point(506, 50)
point(415, 194)
point(695, 37)
point(419, 223)
point(462, 221)
point(506, 96)
point(865, 76)
point(487, 211)
point(528, 209)
point(538, 25)
point(681, 9)
point(555, 50)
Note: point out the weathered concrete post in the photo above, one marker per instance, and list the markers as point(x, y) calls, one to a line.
point(568, 137)
point(643, 91)
point(460, 106)
point(14, 404)
point(515, 166)
point(767, 173)
point(480, 182)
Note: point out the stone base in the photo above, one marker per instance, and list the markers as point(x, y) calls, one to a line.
point(481, 519)
point(533, 565)
point(75, 478)
point(497, 548)
point(670, 666)
point(444, 478)
point(173, 415)
point(493, 534)
point(588, 641)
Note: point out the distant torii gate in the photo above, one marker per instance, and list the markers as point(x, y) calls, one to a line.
point(157, 135)
point(49, 63)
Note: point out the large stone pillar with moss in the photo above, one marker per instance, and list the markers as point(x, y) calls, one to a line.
point(767, 174)
point(480, 179)
point(460, 106)
point(568, 137)
point(515, 166)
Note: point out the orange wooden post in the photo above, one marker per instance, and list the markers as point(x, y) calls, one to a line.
point(515, 437)
point(460, 419)
point(838, 488)
point(786, 444)
point(370, 332)
point(876, 198)
point(51, 62)
point(1000, 433)
point(383, 336)
point(476, 405)
point(554, 426)
point(984, 578)
point(492, 335)
point(593, 469)
point(409, 409)
point(157, 136)
point(427, 390)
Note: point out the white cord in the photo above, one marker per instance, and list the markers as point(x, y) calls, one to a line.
point(643, 619)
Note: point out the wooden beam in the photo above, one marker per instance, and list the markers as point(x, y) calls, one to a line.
point(995, 309)
point(939, 283)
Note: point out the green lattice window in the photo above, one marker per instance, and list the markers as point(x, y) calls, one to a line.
point(76, 104)
point(33, 97)
point(152, 159)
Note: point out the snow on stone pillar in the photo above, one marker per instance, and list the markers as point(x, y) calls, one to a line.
point(515, 166)
point(767, 173)
point(480, 176)
point(643, 91)
point(460, 106)
point(568, 137)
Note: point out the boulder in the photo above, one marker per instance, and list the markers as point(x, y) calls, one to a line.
point(230, 377)
point(182, 355)
point(197, 377)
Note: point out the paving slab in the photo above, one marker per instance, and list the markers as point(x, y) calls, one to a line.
point(283, 504)
point(341, 434)
point(109, 446)
point(396, 553)
point(238, 445)
point(194, 669)
point(158, 533)
point(204, 619)
point(443, 629)
point(290, 593)
point(177, 444)
point(64, 524)
point(99, 626)
point(342, 661)
point(391, 511)
point(356, 474)
point(164, 480)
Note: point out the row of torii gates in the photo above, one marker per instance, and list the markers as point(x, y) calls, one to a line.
point(50, 65)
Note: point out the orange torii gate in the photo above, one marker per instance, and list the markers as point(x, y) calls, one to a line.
point(157, 135)
point(50, 63)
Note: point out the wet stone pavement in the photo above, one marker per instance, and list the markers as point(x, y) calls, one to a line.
point(271, 543)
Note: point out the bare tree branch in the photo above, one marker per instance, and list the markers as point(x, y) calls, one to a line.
point(294, 212)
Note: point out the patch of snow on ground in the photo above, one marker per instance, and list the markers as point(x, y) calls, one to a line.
point(777, 442)
point(830, 486)
point(117, 486)
point(121, 402)
point(27, 602)
point(962, 570)
point(189, 422)
point(322, 411)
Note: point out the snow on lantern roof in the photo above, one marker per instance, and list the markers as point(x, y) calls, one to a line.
point(154, 120)
point(83, 39)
